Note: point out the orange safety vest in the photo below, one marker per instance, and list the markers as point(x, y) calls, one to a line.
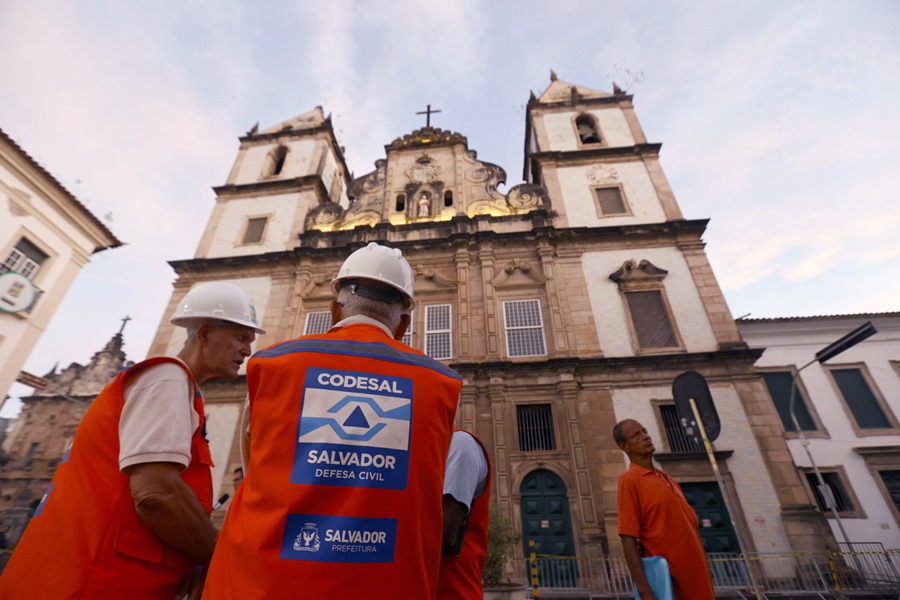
point(461, 575)
point(85, 539)
point(342, 498)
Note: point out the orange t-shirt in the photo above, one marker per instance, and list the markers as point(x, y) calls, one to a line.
point(653, 509)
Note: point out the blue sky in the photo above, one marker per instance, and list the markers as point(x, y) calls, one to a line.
point(778, 121)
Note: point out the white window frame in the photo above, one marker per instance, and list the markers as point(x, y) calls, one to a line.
point(431, 333)
point(312, 321)
point(540, 326)
point(19, 262)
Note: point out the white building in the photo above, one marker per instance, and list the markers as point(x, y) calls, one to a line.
point(848, 410)
point(46, 237)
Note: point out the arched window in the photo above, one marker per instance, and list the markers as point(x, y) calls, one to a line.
point(275, 161)
point(400, 205)
point(587, 129)
point(279, 156)
point(448, 198)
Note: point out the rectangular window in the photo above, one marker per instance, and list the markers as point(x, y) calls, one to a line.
point(255, 228)
point(408, 336)
point(535, 427)
point(834, 492)
point(611, 201)
point(678, 439)
point(524, 328)
point(651, 319)
point(25, 258)
point(317, 322)
point(860, 399)
point(438, 332)
point(779, 384)
point(891, 479)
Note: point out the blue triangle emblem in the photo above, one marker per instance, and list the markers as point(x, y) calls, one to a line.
point(356, 419)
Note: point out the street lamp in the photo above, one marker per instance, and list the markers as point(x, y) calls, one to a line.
point(848, 341)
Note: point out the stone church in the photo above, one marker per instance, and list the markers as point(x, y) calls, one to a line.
point(567, 303)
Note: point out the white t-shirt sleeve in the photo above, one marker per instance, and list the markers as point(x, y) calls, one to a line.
point(158, 419)
point(465, 476)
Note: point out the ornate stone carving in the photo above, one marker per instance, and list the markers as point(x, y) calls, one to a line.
point(424, 170)
point(519, 272)
point(643, 271)
point(427, 136)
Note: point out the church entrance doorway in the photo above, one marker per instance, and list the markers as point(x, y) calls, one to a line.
point(546, 520)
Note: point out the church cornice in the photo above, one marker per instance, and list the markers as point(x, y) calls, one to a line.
point(535, 103)
point(273, 185)
point(607, 152)
point(458, 230)
point(681, 361)
point(287, 133)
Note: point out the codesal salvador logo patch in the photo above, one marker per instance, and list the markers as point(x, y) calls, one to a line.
point(329, 538)
point(354, 430)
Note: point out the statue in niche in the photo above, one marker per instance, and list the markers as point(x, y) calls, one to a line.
point(424, 209)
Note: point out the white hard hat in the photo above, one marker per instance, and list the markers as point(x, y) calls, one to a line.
point(216, 300)
point(378, 263)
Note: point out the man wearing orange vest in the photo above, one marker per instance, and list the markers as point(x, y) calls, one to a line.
point(344, 463)
point(467, 495)
point(127, 512)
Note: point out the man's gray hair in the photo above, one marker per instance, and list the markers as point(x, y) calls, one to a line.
point(354, 304)
point(196, 324)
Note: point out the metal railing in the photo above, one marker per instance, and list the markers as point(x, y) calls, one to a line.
point(867, 568)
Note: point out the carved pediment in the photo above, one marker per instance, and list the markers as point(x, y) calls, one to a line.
point(643, 272)
point(429, 279)
point(317, 286)
point(518, 273)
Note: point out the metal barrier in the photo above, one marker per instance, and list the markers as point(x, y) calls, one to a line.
point(871, 569)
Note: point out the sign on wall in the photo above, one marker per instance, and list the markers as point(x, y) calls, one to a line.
point(17, 293)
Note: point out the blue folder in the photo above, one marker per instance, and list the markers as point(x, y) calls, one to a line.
point(656, 568)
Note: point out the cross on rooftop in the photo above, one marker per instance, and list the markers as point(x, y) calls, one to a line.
point(124, 321)
point(427, 112)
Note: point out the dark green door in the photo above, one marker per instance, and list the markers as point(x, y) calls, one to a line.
point(716, 530)
point(546, 520)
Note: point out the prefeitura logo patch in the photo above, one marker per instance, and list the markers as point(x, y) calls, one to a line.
point(329, 538)
point(354, 430)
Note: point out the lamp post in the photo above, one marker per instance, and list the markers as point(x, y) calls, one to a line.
point(848, 341)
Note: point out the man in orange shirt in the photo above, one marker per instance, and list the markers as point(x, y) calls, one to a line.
point(655, 519)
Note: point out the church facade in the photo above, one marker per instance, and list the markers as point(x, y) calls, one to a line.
point(567, 303)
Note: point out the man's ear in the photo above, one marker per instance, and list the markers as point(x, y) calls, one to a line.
point(336, 312)
point(402, 327)
point(203, 333)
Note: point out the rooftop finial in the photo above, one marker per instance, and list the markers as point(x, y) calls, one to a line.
point(124, 322)
point(552, 75)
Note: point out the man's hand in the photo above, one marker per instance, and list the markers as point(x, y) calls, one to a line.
point(454, 517)
point(170, 509)
point(192, 586)
point(632, 549)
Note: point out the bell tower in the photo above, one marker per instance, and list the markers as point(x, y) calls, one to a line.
point(279, 175)
point(587, 147)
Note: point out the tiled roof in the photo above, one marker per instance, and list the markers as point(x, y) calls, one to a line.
point(55, 182)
